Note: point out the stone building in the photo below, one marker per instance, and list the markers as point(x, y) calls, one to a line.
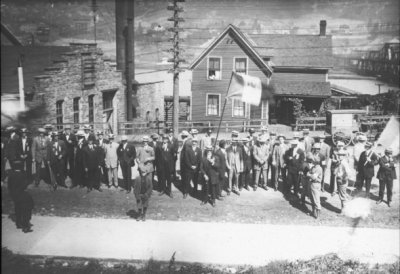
point(83, 87)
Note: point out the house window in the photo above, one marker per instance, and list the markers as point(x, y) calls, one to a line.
point(59, 114)
point(91, 108)
point(214, 68)
point(238, 108)
point(241, 65)
point(213, 103)
point(108, 100)
point(76, 110)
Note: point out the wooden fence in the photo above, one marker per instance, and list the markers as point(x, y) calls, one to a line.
point(312, 123)
point(129, 128)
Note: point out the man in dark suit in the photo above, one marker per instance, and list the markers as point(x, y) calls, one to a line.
point(209, 171)
point(91, 162)
point(25, 147)
point(386, 175)
point(198, 157)
point(126, 157)
point(368, 159)
point(165, 165)
point(13, 151)
point(175, 147)
point(154, 144)
point(188, 165)
point(70, 141)
point(56, 153)
point(100, 145)
point(247, 165)
point(222, 172)
point(79, 171)
point(294, 159)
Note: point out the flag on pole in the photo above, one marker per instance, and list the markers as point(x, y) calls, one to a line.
point(246, 88)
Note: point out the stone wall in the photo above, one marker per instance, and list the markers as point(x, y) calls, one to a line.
point(150, 98)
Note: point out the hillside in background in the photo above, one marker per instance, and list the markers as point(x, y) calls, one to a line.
point(356, 24)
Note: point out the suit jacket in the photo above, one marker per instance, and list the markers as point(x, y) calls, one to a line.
point(198, 156)
point(79, 155)
point(235, 159)
point(294, 163)
point(39, 149)
point(175, 146)
point(111, 157)
point(145, 157)
point(278, 155)
point(13, 151)
point(325, 150)
point(70, 143)
point(387, 170)
point(91, 157)
point(126, 155)
point(189, 157)
point(367, 168)
point(247, 158)
point(222, 163)
point(27, 151)
point(260, 154)
point(54, 152)
point(211, 170)
point(165, 157)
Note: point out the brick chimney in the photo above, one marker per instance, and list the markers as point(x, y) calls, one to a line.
point(322, 28)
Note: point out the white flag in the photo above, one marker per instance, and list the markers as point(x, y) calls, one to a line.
point(246, 88)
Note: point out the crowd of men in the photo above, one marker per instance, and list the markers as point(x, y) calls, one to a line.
point(297, 167)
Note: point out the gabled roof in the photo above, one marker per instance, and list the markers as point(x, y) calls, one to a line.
point(292, 50)
point(301, 88)
point(240, 38)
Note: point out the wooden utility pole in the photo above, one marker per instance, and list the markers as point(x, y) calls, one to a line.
point(176, 60)
point(379, 87)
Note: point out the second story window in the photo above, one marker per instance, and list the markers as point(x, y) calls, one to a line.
point(241, 65)
point(214, 68)
point(76, 110)
point(238, 108)
point(91, 108)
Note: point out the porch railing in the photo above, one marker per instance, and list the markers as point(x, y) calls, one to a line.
point(312, 123)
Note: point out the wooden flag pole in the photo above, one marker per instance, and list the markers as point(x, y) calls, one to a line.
point(222, 114)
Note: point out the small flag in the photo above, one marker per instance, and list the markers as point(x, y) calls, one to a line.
point(246, 88)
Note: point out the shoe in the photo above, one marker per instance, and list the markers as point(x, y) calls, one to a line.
point(247, 188)
point(203, 203)
point(236, 192)
point(19, 226)
point(228, 193)
point(219, 198)
point(88, 190)
point(378, 202)
point(143, 217)
point(275, 189)
point(100, 190)
point(171, 195)
point(254, 188)
point(184, 196)
point(317, 213)
point(213, 204)
point(128, 191)
point(241, 188)
point(388, 204)
point(27, 230)
point(265, 187)
point(161, 193)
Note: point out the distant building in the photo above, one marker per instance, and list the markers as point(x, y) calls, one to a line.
point(299, 65)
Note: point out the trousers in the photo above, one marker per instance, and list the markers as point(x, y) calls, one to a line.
point(388, 184)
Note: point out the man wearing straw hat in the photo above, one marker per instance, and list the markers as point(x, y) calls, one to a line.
point(70, 141)
point(39, 156)
point(126, 157)
point(313, 174)
point(25, 148)
point(386, 175)
point(260, 160)
point(235, 165)
point(111, 161)
point(56, 159)
point(342, 173)
point(366, 163)
point(209, 170)
point(278, 160)
point(144, 186)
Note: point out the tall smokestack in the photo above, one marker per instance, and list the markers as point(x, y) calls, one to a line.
point(322, 28)
point(121, 14)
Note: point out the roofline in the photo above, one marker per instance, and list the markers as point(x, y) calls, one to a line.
point(302, 95)
point(219, 38)
point(8, 33)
